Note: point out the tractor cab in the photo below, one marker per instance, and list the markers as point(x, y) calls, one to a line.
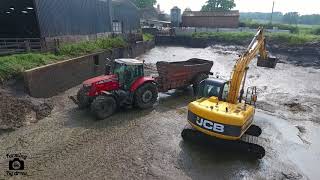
point(127, 71)
point(214, 87)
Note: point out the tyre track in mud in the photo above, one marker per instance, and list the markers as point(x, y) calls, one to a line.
point(40, 159)
point(95, 133)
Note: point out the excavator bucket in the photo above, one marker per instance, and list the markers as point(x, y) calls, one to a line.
point(270, 62)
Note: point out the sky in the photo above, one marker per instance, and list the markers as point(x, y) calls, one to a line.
point(301, 6)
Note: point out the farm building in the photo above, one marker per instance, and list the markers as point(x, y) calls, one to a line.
point(50, 18)
point(126, 16)
point(41, 22)
point(216, 19)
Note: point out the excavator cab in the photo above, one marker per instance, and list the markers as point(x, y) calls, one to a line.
point(213, 87)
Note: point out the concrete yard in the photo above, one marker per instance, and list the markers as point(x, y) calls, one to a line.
point(135, 144)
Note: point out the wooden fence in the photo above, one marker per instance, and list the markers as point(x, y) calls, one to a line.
point(10, 46)
point(18, 45)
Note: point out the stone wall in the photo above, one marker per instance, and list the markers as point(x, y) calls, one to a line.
point(49, 80)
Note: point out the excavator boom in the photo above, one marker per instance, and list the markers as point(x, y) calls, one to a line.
point(257, 45)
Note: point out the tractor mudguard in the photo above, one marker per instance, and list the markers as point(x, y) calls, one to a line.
point(140, 81)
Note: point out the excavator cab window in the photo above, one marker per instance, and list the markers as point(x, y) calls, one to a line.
point(225, 92)
point(212, 87)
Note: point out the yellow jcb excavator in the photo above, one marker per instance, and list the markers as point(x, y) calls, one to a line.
point(222, 114)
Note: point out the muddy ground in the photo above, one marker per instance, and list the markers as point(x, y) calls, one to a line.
point(134, 144)
point(19, 110)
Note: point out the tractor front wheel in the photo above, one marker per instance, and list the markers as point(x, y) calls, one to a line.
point(103, 106)
point(146, 95)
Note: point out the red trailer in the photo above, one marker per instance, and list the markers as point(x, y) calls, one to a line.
point(173, 75)
point(126, 84)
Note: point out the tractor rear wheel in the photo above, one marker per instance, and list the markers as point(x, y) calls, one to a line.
point(146, 95)
point(197, 81)
point(83, 99)
point(103, 106)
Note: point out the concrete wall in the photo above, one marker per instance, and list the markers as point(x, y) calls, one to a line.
point(49, 80)
point(187, 41)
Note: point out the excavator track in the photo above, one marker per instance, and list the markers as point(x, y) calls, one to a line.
point(248, 143)
point(253, 145)
point(254, 130)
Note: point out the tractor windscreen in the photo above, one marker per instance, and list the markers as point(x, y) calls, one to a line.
point(119, 70)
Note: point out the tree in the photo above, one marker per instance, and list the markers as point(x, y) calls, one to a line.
point(188, 9)
point(144, 3)
point(310, 19)
point(291, 18)
point(218, 5)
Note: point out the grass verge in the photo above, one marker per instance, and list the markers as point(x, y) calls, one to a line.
point(87, 47)
point(13, 65)
point(147, 37)
point(235, 37)
point(240, 37)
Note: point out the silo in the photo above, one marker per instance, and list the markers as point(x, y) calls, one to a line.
point(175, 16)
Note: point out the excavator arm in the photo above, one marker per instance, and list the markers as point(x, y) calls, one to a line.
point(257, 45)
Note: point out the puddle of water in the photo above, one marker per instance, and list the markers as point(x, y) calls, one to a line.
point(284, 137)
point(307, 157)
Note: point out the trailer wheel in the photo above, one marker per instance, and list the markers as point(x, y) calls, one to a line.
point(83, 99)
point(197, 81)
point(146, 95)
point(103, 106)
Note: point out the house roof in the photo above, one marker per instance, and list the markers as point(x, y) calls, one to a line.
point(211, 13)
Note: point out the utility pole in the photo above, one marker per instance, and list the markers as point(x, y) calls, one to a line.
point(272, 12)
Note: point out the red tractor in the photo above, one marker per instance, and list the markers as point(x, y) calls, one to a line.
point(126, 84)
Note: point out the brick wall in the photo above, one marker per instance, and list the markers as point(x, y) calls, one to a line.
point(212, 22)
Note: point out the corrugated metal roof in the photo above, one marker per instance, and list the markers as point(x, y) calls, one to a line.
point(73, 17)
point(211, 13)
